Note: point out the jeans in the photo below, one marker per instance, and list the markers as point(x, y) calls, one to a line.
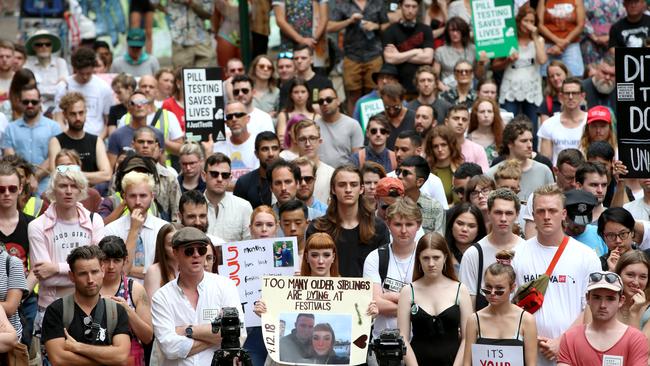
point(255, 345)
point(28, 308)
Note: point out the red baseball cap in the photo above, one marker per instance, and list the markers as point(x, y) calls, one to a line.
point(599, 113)
point(389, 187)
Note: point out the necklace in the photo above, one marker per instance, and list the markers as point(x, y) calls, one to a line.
point(406, 271)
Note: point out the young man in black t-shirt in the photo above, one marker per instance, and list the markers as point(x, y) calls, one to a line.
point(633, 29)
point(86, 337)
point(302, 59)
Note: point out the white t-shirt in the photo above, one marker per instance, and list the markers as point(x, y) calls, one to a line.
point(468, 272)
point(564, 299)
point(400, 273)
point(68, 236)
point(175, 131)
point(242, 156)
point(562, 137)
point(99, 99)
point(639, 209)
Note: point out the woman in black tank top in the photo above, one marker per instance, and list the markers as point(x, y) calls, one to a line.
point(501, 325)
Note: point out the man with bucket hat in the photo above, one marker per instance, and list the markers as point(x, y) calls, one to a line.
point(371, 104)
point(48, 69)
point(136, 61)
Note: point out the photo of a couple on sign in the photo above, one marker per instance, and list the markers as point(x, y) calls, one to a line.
point(315, 338)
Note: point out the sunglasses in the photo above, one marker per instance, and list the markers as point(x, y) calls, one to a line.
point(307, 180)
point(264, 67)
point(403, 172)
point(327, 100)
point(243, 91)
point(189, 251)
point(397, 107)
point(215, 174)
point(42, 44)
point(497, 292)
point(609, 277)
point(374, 131)
point(463, 71)
point(27, 102)
point(139, 102)
point(11, 189)
point(287, 54)
point(90, 334)
point(231, 116)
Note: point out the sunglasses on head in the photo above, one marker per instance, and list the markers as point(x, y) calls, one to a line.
point(189, 251)
point(27, 102)
point(11, 189)
point(215, 174)
point(374, 131)
point(231, 116)
point(286, 54)
point(243, 91)
point(327, 100)
point(497, 292)
point(609, 277)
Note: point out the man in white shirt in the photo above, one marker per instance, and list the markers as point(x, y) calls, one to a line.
point(503, 209)
point(240, 146)
point(242, 91)
point(640, 207)
point(98, 94)
point(564, 299)
point(228, 215)
point(183, 309)
point(139, 228)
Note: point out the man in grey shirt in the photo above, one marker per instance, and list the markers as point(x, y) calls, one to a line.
point(136, 61)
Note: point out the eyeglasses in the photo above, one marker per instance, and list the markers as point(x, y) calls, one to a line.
point(231, 116)
point(374, 131)
point(189, 251)
point(497, 292)
point(243, 91)
point(403, 172)
point(608, 236)
point(397, 107)
point(312, 139)
point(306, 179)
point(609, 277)
point(11, 189)
point(572, 94)
point(327, 100)
point(215, 174)
point(463, 71)
point(265, 67)
point(484, 192)
point(139, 102)
point(68, 168)
point(286, 54)
point(42, 44)
point(27, 102)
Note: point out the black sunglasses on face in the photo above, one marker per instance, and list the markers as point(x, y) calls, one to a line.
point(231, 116)
point(403, 172)
point(374, 131)
point(189, 251)
point(327, 100)
point(27, 102)
point(215, 174)
point(487, 292)
point(11, 189)
point(243, 91)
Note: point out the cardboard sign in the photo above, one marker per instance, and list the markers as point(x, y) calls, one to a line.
point(316, 320)
point(204, 106)
point(495, 29)
point(493, 355)
point(245, 261)
point(633, 110)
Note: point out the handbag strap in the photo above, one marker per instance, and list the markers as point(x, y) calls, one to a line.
point(557, 255)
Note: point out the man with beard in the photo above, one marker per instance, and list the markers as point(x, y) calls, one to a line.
point(139, 228)
point(306, 185)
point(426, 85)
point(85, 337)
point(6, 70)
point(425, 116)
point(240, 146)
point(253, 186)
point(599, 89)
point(91, 150)
point(341, 135)
point(29, 135)
point(284, 177)
point(399, 117)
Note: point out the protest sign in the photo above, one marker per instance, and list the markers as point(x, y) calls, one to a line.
point(204, 106)
point(245, 261)
point(633, 110)
point(495, 29)
point(369, 109)
point(495, 355)
point(316, 320)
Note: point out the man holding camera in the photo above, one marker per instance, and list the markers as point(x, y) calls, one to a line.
point(83, 328)
point(194, 299)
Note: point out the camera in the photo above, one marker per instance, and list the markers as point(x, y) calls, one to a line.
point(230, 326)
point(389, 348)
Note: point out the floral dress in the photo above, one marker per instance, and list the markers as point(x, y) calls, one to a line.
point(599, 17)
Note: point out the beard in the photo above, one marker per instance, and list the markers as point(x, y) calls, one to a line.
point(602, 86)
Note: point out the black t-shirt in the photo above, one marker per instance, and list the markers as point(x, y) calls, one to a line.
point(314, 85)
point(253, 188)
point(53, 324)
point(441, 107)
point(623, 33)
point(544, 107)
point(406, 39)
point(17, 243)
point(86, 147)
point(351, 253)
point(408, 124)
point(115, 113)
point(594, 97)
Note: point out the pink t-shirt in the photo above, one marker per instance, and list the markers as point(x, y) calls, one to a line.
point(475, 153)
point(630, 350)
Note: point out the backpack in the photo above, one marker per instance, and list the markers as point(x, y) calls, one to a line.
point(480, 301)
point(384, 255)
point(108, 304)
point(44, 8)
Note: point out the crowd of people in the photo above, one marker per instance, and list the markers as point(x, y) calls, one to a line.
point(453, 182)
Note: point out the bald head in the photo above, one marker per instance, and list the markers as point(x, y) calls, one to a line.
point(148, 84)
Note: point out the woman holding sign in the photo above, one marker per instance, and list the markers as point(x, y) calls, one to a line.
point(435, 307)
point(501, 332)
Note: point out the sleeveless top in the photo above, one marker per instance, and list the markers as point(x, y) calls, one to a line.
point(516, 341)
point(86, 148)
point(440, 330)
point(136, 355)
point(522, 81)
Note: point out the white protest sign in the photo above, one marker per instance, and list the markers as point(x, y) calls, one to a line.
point(204, 107)
point(316, 320)
point(246, 261)
point(495, 355)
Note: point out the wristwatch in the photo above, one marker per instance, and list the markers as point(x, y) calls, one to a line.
point(189, 332)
